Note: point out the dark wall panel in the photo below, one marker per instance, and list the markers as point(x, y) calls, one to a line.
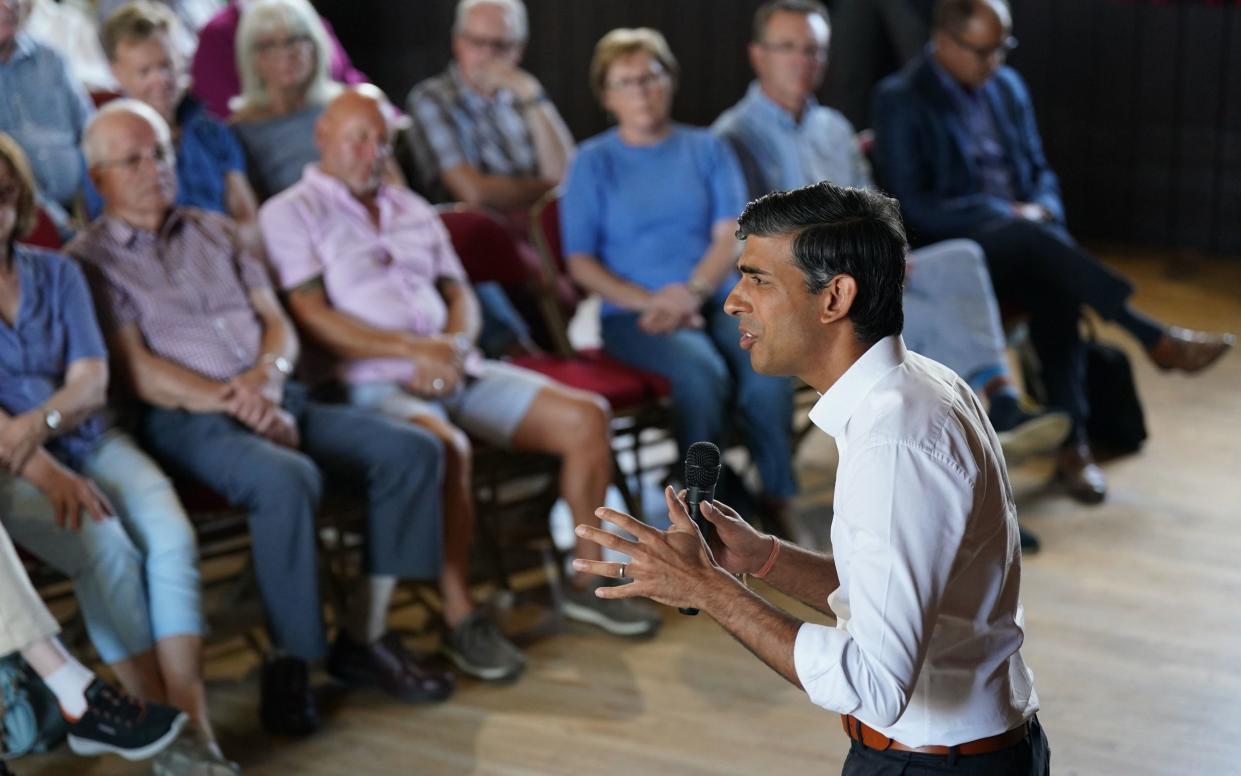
point(1139, 101)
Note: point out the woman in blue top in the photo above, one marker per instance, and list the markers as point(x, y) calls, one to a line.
point(648, 215)
point(129, 547)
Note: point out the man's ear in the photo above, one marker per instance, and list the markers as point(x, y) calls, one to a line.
point(836, 299)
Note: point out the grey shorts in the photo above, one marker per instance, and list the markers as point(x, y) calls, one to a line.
point(489, 407)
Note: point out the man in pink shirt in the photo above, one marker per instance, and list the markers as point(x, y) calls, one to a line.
point(214, 69)
point(371, 276)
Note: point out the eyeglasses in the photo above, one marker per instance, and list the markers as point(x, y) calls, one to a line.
point(498, 46)
point(640, 83)
point(985, 53)
point(160, 154)
point(787, 49)
point(289, 44)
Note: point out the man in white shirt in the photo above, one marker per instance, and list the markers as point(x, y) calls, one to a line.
point(924, 664)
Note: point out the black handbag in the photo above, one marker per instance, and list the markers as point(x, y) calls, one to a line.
point(1116, 419)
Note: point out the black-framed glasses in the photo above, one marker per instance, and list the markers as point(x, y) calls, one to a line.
point(291, 43)
point(639, 83)
point(788, 49)
point(498, 46)
point(985, 53)
point(160, 154)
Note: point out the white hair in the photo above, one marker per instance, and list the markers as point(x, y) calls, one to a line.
point(295, 17)
point(515, 9)
point(92, 145)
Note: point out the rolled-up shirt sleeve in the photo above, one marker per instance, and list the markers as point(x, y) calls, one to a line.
point(905, 518)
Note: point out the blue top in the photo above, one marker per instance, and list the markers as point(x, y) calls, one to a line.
point(777, 152)
point(983, 143)
point(43, 107)
point(55, 326)
point(277, 150)
point(207, 152)
point(646, 212)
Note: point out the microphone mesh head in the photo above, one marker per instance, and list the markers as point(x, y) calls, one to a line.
point(702, 465)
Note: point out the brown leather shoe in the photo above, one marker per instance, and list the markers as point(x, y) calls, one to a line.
point(1188, 350)
point(1081, 476)
point(387, 665)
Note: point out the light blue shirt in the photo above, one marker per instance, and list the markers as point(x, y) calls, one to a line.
point(44, 109)
point(646, 212)
point(777, 152)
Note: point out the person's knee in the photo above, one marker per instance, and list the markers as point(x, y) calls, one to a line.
point(416, 448)
point(589, 427)
point(290, 477)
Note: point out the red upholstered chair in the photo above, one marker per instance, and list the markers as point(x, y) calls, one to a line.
point(44, 234)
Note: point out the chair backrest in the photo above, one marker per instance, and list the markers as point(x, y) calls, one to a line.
point(485, 247)
point(44, 234)
point(545, 236)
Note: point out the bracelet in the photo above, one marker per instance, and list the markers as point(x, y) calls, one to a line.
point(771, 560)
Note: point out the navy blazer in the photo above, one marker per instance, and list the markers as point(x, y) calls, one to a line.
point(920, 155)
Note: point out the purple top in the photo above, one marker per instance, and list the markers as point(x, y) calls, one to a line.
point(55, 326)
point(384, 276)
point(214, 69)
point(187, 287)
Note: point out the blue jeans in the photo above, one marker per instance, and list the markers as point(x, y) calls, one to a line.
point(396, 467)
point(950, 311)
point(712, 380)
point(136, 576)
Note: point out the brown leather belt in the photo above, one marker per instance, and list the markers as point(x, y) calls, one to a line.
point(873, 739)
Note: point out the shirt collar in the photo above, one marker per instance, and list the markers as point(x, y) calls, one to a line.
point(332, 187)
point(23, 47)
point(834, 408)
point(125, 234)
point(954, 87)
point(756, 100)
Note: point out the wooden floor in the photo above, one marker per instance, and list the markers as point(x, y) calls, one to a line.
point(1133, 611)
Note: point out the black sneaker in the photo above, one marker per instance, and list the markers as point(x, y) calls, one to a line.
point(287, 706)
point(116, 723)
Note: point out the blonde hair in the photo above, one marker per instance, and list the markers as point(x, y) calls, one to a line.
point(27, 211)
point(134, 22)
point(622, 42)
point(296, 17)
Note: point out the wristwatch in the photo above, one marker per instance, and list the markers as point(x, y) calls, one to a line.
point(282, 364)
point(51, 419)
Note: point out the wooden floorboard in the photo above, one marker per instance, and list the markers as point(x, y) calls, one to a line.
point(1133, 611)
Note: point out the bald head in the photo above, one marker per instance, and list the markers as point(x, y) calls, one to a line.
point(971, 39)
point(352, 137)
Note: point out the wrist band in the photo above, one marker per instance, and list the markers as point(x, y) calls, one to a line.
point(771, 559)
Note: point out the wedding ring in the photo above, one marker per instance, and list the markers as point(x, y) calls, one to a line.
point(621, 575)
point(437, 384)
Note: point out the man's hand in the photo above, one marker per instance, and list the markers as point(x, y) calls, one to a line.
point(1031, 211)
point(737, 547)
point(504, 74)
point(280, 427)
point(262, 380)
point(20, 437)
point(439, 365)
point(674, 567)
point(70, 494)
point(670, 308)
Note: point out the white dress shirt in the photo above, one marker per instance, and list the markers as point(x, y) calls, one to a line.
point(926, 647)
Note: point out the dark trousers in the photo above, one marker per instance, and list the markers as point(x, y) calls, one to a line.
point(1039, 269)
point(1031, 757)
point(396, 467)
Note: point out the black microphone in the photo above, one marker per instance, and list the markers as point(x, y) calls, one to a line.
point(702, 471)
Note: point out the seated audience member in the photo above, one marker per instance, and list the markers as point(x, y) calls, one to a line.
point(648, 216)
point(194, 325)
point(214, 67)
point(211, 167)
point(372, 277)
point(44, 109)
point(785, 139)
point(284, 85)
point(136, 575)
point(957, 144)
point(101, 718)
point(484, 132)
point(73, 34)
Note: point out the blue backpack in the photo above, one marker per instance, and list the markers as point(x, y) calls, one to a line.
point(31, 719)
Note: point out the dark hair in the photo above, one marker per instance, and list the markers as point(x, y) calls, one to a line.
point(841, 231)
point(953, 15)
point(771, 8)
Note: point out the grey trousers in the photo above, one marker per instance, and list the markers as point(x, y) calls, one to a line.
point(395, 467)
point(24, 620)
